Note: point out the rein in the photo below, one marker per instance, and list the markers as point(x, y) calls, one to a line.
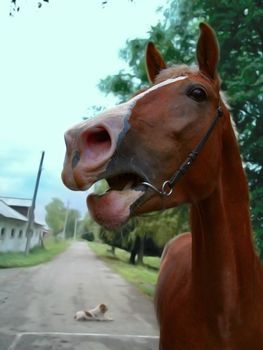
point(168, 185)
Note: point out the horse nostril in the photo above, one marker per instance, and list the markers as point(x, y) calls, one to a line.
point(98, 136)
point(96, 142)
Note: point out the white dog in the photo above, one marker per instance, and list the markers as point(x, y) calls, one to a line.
point(96, 314)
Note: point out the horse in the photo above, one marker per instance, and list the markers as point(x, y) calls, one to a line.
point(175, 143)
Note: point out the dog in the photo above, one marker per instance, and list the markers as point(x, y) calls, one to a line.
point(96, 314)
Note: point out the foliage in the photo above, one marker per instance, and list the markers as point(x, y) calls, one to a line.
point(239, 30)
point(57, 215)
point(143, 277)
point(73, 216)
point(36, 256)
point(89, 236)
point(89, 225)
point(164, 225)
point(118, 238)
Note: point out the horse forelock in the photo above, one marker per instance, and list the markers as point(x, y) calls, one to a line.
point(174, 72)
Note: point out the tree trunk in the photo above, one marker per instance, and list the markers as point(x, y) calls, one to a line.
point(141, 250)
point(135, 250)
point(113, 250)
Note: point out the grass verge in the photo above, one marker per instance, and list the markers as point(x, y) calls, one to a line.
point(36, 255)
point(144, 277)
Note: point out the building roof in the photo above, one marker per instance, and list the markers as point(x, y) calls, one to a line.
point(10, 213)
point(5, 208)
point(17, 202)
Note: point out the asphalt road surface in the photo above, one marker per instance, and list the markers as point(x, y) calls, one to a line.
point(37, 306)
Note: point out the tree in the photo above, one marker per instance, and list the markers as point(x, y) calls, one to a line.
point(55, 215)
point(117, 238)
point(88, 225)
point(137, 249)
point(239, 30)
point(162, 226)
point(73, 216)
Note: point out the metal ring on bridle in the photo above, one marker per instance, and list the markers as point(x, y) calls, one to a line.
point(164, 192)
point(167, 190)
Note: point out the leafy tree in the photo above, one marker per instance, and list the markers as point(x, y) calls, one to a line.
point(73, 216)
point(55, 215)
point(89, 236)
point(162, 226)
point(240, 31)
point(89, 225)
point(117, 238)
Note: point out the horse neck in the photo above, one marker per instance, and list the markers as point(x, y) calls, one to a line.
point(223, 257)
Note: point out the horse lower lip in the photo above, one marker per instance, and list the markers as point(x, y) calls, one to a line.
point(113, 208)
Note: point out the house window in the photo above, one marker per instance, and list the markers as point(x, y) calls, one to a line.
point(2, 234)
point(13, 231)
point(20, 235)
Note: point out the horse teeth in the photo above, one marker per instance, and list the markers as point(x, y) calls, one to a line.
point(128, 186)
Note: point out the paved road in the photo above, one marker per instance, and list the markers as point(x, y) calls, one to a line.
point(37, 306)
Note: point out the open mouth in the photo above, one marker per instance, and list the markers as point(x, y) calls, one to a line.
point(124, 182)
point(114, 207)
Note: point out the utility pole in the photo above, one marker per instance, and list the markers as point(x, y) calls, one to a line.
point(65, 222)
point(76, 228)
point(31, 214)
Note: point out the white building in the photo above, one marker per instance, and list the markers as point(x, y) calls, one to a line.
point(13, 222)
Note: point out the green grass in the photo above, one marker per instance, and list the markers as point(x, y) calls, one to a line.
point(36, 255)
point(143, 277)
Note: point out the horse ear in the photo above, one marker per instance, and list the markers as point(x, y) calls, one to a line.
point(154, 62)
point(207, 51)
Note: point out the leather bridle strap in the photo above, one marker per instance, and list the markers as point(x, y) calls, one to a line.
point(168, 185)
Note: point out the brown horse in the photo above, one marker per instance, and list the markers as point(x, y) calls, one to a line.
point(174, 143)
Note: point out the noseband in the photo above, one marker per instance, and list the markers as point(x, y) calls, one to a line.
point(168, 185)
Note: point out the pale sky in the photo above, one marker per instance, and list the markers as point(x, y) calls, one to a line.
point(50, 64)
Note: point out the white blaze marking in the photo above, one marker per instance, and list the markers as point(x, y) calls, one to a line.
point(124, 110)
point(154, 87)
point(131, 103)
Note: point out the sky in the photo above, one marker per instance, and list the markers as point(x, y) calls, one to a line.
point(51, 62)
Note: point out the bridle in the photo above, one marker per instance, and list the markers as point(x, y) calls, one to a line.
point(168, 185)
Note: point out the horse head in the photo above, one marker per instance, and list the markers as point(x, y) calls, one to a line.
point(137, 145)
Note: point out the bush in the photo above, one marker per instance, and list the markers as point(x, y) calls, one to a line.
point(89, 236)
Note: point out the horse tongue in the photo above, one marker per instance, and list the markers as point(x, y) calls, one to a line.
point(112, 209)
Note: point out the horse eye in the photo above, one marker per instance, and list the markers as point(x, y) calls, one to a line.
point(197, 94)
